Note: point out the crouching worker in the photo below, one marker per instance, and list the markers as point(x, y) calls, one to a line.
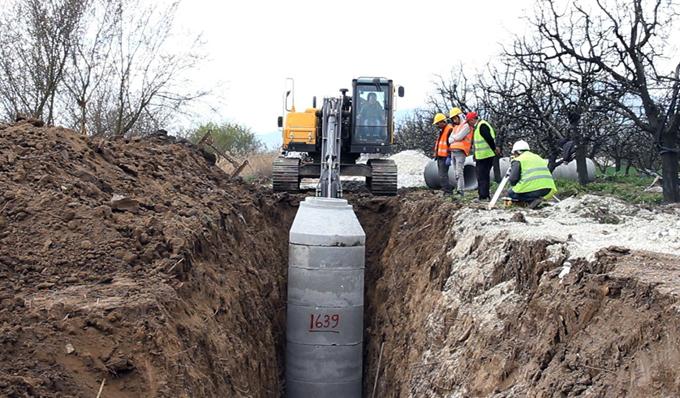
point(530, 178)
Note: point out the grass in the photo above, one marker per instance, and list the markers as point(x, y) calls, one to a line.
point(629, 189)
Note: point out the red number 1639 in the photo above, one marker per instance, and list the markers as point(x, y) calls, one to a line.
point(321, 322)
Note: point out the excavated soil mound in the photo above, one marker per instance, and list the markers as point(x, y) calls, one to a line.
point(137, 263)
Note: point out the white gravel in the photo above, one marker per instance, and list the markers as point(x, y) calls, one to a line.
point(585, 225)
point(410, 167)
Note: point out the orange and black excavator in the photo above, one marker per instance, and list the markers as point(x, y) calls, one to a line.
point(334, 136)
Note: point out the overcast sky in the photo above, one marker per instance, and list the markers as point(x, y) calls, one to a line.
point(252, 46)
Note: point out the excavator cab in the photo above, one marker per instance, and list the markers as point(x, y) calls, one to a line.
point(372, 115)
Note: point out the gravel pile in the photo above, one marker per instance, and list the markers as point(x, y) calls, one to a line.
point(410, 166)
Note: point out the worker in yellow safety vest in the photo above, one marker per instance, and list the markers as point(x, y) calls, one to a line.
point(441, 151)
point(484, 141)
point(530, 179)
point(460, 143)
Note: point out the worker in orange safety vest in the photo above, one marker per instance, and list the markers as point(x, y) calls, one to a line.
point(441, 151)
point(460, 143)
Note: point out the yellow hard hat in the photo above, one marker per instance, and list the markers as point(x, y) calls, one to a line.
point(439, 117)
point(455, 112)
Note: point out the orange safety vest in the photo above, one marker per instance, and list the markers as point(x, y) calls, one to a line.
point(441, 147)
point(466, 143)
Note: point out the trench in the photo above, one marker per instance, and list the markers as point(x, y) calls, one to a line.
point(184, 293)
point(385, 220)
point(458, 313)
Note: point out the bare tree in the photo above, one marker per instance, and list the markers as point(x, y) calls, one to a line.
point(456, 91)
point(149, 71)
point(104, 67)
point(36, 40)
point(90, 65)
point(621, 42)
point(415, 131)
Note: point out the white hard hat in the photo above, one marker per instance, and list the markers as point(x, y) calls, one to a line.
point(520, 145)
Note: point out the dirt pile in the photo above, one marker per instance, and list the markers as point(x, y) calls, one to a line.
point(137, 262)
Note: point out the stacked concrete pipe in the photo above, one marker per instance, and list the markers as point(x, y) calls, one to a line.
point(565, 171)
point(324, 332)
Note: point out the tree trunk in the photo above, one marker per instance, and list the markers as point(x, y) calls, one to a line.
point(617, 165)
point(669, 167)
point(83, 115)
point(581, 166)
point(628, 166)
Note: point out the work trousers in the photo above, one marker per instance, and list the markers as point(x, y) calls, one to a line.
point(528, 196)
point(443, 170)
point(458, 164)
point(483, 176)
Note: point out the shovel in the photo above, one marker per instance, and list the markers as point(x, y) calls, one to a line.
point(497, 194)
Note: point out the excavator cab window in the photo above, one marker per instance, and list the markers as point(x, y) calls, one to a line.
point(370, 113)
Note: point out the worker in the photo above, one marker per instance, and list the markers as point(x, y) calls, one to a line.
point(371, 119)
point(530, 179)
point(484, 141)
point(372, 113)
point(441, 151)
point(460, 143)
point(563, 153)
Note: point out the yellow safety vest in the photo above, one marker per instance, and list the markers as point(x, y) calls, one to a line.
point(482, 149)
point(535, 175)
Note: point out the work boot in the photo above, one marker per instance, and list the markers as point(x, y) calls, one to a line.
point(461, 194)
point(535, 203)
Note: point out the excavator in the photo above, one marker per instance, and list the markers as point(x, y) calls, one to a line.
point(326, 142)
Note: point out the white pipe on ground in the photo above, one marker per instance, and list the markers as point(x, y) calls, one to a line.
point(564, 171)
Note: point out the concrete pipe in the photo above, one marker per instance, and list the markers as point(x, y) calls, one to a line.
point(431, 174)
point(565, 171)
point(568, 171)
point(504, 164)
point(325, 311)
point(469, 174)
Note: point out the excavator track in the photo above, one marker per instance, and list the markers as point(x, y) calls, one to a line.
point(286, 175)
point(383, 180)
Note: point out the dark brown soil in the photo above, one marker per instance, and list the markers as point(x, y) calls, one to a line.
point(174, 289)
